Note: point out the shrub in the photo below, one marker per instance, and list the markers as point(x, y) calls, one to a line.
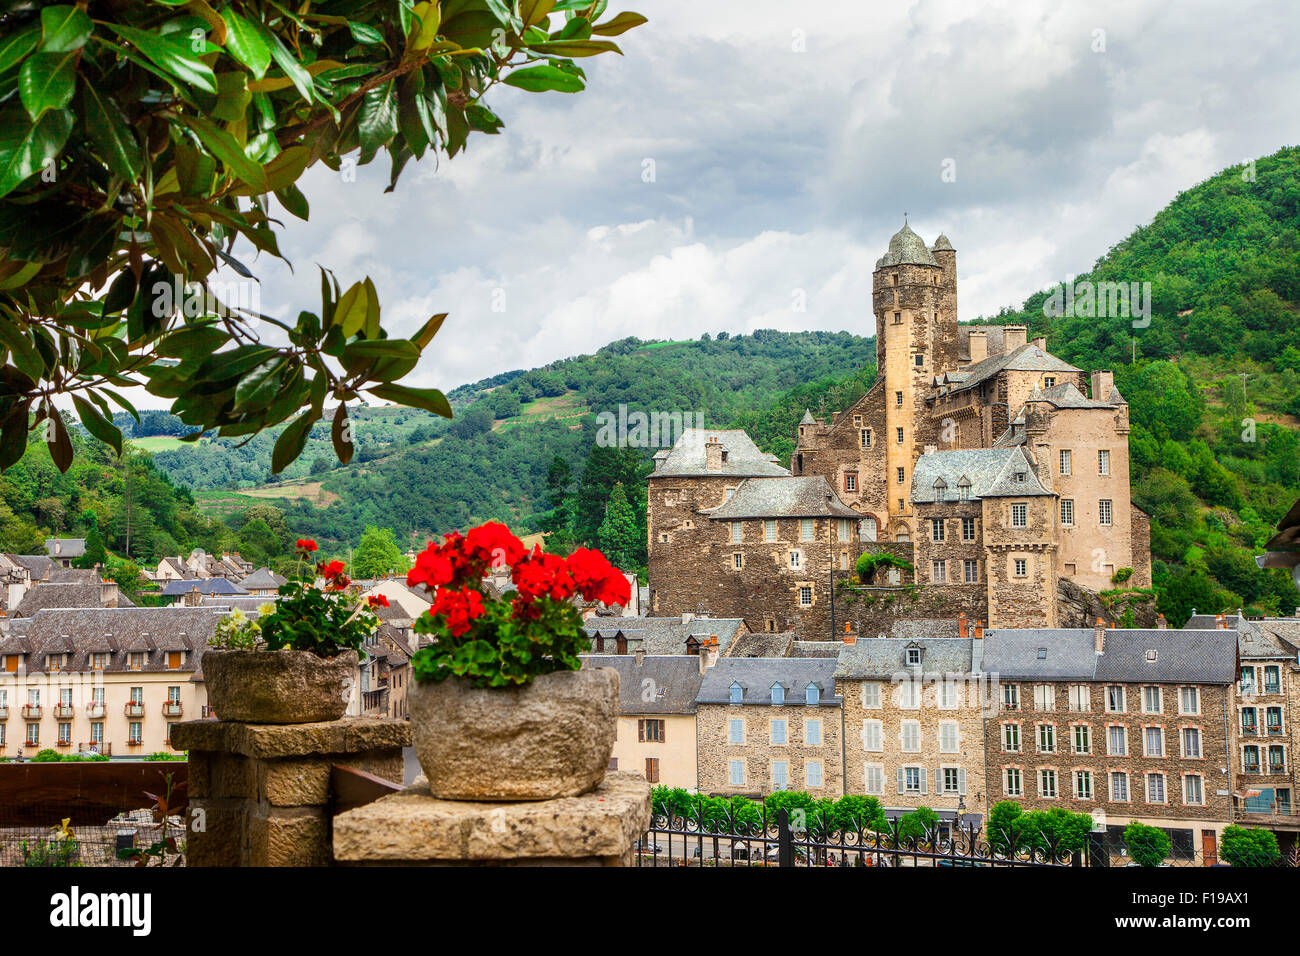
point(1148, 846)
point(916, 825)
point(48, 755)
point(1242, 846)
point(870, 562)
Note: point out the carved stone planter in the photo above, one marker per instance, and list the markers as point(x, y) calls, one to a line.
point(551, 738)
point(278, 687)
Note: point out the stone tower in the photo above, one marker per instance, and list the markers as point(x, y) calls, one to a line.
point(914, 293)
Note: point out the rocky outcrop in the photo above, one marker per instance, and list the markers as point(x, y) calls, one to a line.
point(1080, 607)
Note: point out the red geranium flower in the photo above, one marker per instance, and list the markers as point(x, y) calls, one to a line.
point(597, 579)
point(306, 546)
point(543, 575)
point(460, 607)
point(493, 544)
point(377, 600)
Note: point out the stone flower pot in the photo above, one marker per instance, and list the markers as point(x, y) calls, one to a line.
point(278, 687)
point(550, 738)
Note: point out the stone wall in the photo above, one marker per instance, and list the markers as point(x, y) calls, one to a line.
point(715, 751)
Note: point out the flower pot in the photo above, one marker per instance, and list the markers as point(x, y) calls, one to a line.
point(278, 687)
point(550, 738)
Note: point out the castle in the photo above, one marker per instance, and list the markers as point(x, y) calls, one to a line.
point(989, 471)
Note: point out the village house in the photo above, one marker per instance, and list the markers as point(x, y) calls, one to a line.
point(1120, 724)
point(63, 551)
point(385, 674)
point(765, 724)
point(658, 636)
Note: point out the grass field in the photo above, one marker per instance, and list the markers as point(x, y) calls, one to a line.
point(156, 443)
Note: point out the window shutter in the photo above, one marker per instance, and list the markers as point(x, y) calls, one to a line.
point(902, 779)
point(640, 731)
point(924, 774)
point(961, 781)
point(663, 731)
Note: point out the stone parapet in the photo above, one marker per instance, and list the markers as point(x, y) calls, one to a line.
point(414, 828)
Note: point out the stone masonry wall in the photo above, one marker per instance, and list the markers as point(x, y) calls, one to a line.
point(716, 751)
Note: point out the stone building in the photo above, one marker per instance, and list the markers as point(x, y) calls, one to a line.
point(913, 724)
point(767, 724)
point(656, 735)
point(1121, 724)
point(660, 636)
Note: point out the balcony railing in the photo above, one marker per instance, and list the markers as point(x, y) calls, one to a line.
point(31, 711)
point(97, 747)
point(135, 710)
point(63, 710)
point(171, 708)
point(95, 710)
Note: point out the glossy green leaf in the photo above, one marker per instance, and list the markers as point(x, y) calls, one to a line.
point(286, 61)
point(97, 424)
point(429, 399)
point(427, 331)
point(64, 28)
point(172, 55)
point(113, 139)
point(246, 43)
point(537, 79)
point(227, 149)
point(620, 24)
point(343, 447)
point(377, 122)
point(58, 442)
point(17, 45)
point(291, 441)
point(13, 435)
point(26, 147)
point(575, 47)
point(350, 313)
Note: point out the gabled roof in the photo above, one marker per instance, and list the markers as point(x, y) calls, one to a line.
point(675, 682)
point(1180, 655)
point(803, 497)
point(118, 632)
point(40, 596)
point(262, 578)
point(1026, 358)
point(65, 547)
point(36, 564)
point(743, 457)
point(204, 586)
point(756, 675)
point(662, 635)
point(1068, 396)
point(989, 472)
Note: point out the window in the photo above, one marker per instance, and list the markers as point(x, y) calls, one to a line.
point(1065, 461)
point(737, 532)
point(33, 734)
point(1249, 721)
point(954, 780)
point(909, 695)
point(812, 695)
point(1047, 784)
point(1081, 739)
point(1011, 696)
point(1103, 462)
point(137, 696)
point(1083, 784)
point(175, 659)
point(939, 571)
point(1115, 699)
point(866, 438)
point(949, 738)
point(963, 494)
point(968, 529)
point(845, 530)
point(1067, 511)
point(911, 780)
point(805, 596)
point(1047, 738)
point(1276, 760)
point(1152, 700)
point(1191, 742)
point(1012, 785)
point(769, 530)
point(1019, 516)
point(971, 571)
point(135, 733)
point(780, 775)
point(1193, 789)
point(737, 770)
point(737, 693)
point(1021, 567)
point(97, 695)
point(735, 731)
point(1273, 721)
point(1011, 738)
point(136, 661)
point(874, 779)
point(947, 695)
point(778, 732)
point(919, 359)
point(1119, 786)
point(909, 738)
point(871, 735)
point(1117, 742)
point(1080, 698)
point(1153, 741)
point(899, 433)
point(898, 396)
point(794, 560)
point(1155, 788)
point(98, 661)
point(97, 732)
point(1272, 679)
point(1249, 759)
point(1103, 512)
point(33, 697)
point(1049, 381)
point(913, 656)
point(1189, 700)
point(778, 695)
point(65, 696)
point(806, 529)
point(652, 769)
point(936, 529)
point(813, 771)
point(902, 475)
point(1248, 681)
point(53, 662)
point(65, 733)
point(871, 696)
point(812, 733)
point(738, 561)
point(1044, 697)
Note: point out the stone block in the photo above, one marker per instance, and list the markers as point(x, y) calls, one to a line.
point(413, 827)
point(289, 837)
point(349, 735)
point(295, 782)
point(387, 764)
point(220, 842)
point(200, 776)
point(232, 777)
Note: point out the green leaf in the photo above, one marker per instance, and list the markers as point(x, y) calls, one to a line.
point(292, 199)
point(537, 79)
point(575, 47)
point(121, 293)
point(291, 441)
point(60, 444)
point(26, 147)
point(110, 134)
point(620, 24)
point(122, 403)
point(25, 357)
point(482, 119)
point(427, 331)
point(350, 313)
point(377, 121)
point(227, 149)
point(287, 167)
point(286, 61)
point(342, 447)
point(64, 28)
point(97, 424)
point(429, 399)
point(246, 44)
point(16, 46)
point(172, 55)
point(364, 33)
point(533, 12)
point(260, 385)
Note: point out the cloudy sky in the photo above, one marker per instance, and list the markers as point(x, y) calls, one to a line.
point(786, 141)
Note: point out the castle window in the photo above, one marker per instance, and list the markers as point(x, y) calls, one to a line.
point(1019, 515)
point(806, 529)
point(1022, 567)
point(901, 478)
point(737, 532)
point(913, 656)
point(857, 421)
point(738, 561)
point(794, 560)
point(851, 481)
point(939, 571)
point(865, 438)
point(1067, 512)
point(778, 695)
point(898, 318)
point(1103, 512)
point(812, 696)
point(968, 529)
point(769, 529)
point(899, 432)
point(936, 529)
point(1103, 462)
point(920, 360)
point(1049, 381)
point(963, 490)
point(898, 399)
point(805, 596)
point(1065, 461)
point(972, 571)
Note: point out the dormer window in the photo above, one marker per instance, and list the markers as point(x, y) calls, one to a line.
point(1042, 653)
point(737, 693)
point(813, 695)
point(778, 695)
point(1151, 657)
point(913, 656)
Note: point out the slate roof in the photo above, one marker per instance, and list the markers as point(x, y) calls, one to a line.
point(117, 631)
point(905, 246)
point(36, 564)
point(676, 682)
point(262, 578)
point(744, 459)
point(60, 575)
point(924, 627)
point(803, 497)
point(204, 585)
point(249, 604)
point(762, 644)
point(884, 658)
point(44, 595)
point(816, 649)
point(662, 635)
point(807, 418)
point(1182, 656)
point(942, 243)
point(756, 675)
point(1026, 358)
point(990, 473)
point(65, 547)
point(1068, 396)
point(993, 337)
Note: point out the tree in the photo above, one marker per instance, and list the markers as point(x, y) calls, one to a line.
point(320, 465)
point(619, 536)
point(126, 574)
point(854, 812)
point(917, 825)
point(378, 554)
point(1001, 829)
point(1147, 846)
point(138, 154)
point(1242, 846)
point(95, 554)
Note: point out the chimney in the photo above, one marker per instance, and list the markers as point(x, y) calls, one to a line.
point(640, 657)
point(1161, 623)
point(1014, 336)
point(708, 654)
point(978, 345)
point(1040, 343)
point(713, 454)
point(962, 631)
point(108, 593)
point(193, 597)
point(1221, 622)
point(979, 630)
point(1099, 636)
point(1102, 382)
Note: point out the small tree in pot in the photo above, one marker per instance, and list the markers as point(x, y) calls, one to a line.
point(500, 709)
point(296, 663)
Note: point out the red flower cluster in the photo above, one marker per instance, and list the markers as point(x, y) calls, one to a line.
point(377, 600)
point(460, 607)
point(332, 572)
point(597, 579)
point(306, 546)
point(543, 575)
point(463, 559)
